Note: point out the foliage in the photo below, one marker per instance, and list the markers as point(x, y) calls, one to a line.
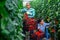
point(11, 20)
point(48, 10)
point(11, 16)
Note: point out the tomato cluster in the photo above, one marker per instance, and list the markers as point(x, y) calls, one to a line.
point(53, 30)
point(31, 24)
point(37, 35)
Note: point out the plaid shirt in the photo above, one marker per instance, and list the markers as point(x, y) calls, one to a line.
point(30, 12)
point(42, 27)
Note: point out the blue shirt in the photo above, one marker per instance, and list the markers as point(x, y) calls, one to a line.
point(30, 12)
point(42, 27)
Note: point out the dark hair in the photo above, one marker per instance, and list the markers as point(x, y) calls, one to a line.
point(39, 20)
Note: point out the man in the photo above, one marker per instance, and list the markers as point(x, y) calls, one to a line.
point(42, 26)
point(30, 11)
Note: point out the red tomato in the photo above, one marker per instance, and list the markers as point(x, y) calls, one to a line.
point(53, 30)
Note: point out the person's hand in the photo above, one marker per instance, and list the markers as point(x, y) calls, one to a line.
point(34, 31)
point(25, 16)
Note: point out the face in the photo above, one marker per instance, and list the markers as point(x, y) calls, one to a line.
point(42, 22)
point(28, 5)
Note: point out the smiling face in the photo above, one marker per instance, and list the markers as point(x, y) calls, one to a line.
point(28, 5)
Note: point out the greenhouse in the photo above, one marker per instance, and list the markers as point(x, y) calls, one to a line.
point(30, 19)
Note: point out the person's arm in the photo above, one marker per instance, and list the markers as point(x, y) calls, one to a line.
point(32, 13)
point(23, 10)
point(38, 26)
point(48, 24)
